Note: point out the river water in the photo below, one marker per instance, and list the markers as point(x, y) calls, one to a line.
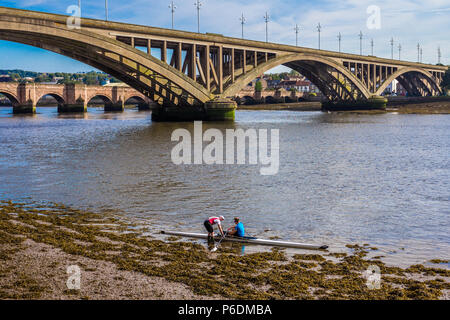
point(343, 178)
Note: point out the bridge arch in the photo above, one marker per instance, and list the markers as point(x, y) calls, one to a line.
point(60, 100)
point(11, 97)
point(138, 101)
point(271, 100)
point(414, 73)
point(314, 68)
point(134, 97)
point(154, 78)
point(248, 100)
point(107, 101)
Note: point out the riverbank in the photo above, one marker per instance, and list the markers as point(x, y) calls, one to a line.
point(417, 105)
point(295, 106)
point(120, 261)
point(420, 105)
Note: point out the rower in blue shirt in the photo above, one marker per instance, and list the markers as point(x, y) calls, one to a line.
point(238, 230)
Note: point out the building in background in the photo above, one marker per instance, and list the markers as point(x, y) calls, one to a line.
point(395, 88)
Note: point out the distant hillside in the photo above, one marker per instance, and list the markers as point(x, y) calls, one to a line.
point(21, 73)
point(90, 78)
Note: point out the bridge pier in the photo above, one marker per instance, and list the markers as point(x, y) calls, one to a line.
point(144, 107)
point(373, 103)
point(29, 108)
point(220, 110)
point(72, 108)
point(214, 110)
point(115, 107)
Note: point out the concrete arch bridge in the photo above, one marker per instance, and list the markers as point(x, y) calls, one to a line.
point(193, 75)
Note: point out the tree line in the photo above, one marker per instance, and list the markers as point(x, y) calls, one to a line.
point(89, 78)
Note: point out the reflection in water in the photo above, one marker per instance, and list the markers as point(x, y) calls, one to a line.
point(344, 178)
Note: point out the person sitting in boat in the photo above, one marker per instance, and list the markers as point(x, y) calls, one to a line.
point(210, 223)
point(238, 230)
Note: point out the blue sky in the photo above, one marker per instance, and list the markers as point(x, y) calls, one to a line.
point(407, 21)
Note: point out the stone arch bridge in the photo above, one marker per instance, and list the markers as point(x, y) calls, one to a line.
point(193, 75)
point(70, 97)
point(280, 95)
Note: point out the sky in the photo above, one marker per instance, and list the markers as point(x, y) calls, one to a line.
point(408, 22)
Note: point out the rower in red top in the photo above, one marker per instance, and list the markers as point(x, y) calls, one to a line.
point(210, 223)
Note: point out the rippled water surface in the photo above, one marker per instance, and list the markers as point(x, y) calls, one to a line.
point(343, 178)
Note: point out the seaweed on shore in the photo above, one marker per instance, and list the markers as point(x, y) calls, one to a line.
point(264, 275)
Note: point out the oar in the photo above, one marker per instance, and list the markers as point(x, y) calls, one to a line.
point(217, 245)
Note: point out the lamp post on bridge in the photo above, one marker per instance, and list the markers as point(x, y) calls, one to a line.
point(172, 8)
point(371, 45)
point(297, 30)
point(392, 48)
point(399, 51)
point(339, 40)
point(418, 52)
point(267, 19)
point(198, 5)
point(243, 21)
point(106, 10)
point(421, 55)
point(319, 29)
point(439, 55)
point(360, 42)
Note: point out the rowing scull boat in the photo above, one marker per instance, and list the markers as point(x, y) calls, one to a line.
point(250, 240)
